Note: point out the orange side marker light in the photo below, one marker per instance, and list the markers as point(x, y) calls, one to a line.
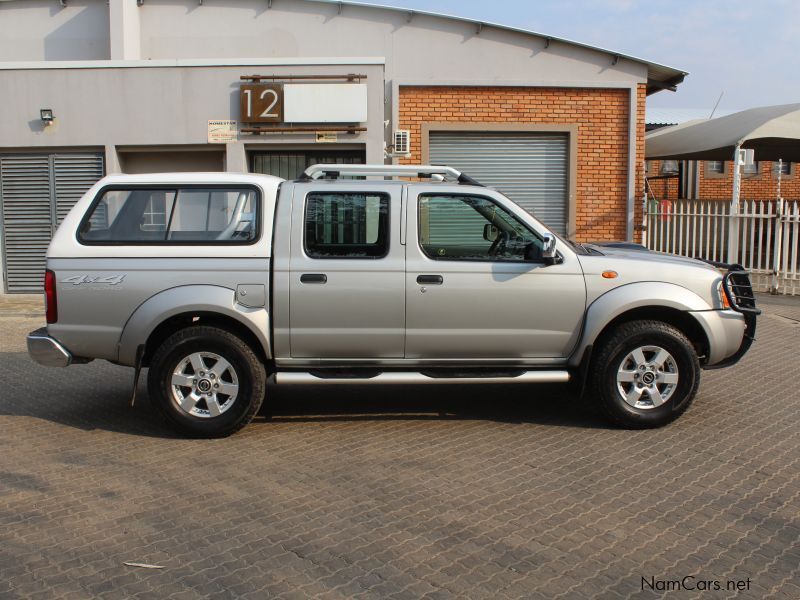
point(610, 274)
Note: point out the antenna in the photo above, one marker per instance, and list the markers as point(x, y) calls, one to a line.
point(721, 94)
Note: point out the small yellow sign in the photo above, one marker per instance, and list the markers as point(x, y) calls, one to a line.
point(222, 132)
point(326, 137)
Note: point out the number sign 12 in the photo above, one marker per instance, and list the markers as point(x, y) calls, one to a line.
point(261, 103)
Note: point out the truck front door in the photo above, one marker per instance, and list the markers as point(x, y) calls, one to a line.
point(347, 272)
point(475, 289)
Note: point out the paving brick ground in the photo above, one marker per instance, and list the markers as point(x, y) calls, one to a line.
point(377, 493)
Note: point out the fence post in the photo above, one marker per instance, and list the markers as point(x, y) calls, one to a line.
point(778, 247)
point(733, 213)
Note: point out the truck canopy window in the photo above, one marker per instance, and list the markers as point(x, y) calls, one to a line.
point(172, 216)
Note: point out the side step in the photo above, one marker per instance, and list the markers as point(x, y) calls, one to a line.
point(404, 377)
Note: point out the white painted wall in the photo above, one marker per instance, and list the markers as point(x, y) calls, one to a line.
point(124, 31)
point(424, 48)
point(45, 30)
point(154, 106)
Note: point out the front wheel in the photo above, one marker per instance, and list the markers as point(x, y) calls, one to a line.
point(645, 374)
point(206, 381)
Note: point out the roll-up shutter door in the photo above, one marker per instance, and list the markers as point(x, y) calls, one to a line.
point(529, 168)
point(37, 191)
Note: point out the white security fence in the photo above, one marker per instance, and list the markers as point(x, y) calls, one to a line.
point(763, 236)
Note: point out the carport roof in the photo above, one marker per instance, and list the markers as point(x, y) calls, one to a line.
point(772, 131)
point(659, 77)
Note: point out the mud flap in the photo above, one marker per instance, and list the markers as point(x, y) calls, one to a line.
point(137, 369)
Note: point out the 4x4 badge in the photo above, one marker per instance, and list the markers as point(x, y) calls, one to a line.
point(79, 279)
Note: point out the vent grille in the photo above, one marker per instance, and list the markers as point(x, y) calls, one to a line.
point(37, 191)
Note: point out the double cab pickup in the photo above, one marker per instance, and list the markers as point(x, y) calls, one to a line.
point(217, 283)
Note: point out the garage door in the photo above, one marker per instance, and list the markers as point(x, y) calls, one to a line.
point(529, 168)
point(37, 191)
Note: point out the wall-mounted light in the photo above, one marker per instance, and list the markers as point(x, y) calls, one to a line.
point(46, 115)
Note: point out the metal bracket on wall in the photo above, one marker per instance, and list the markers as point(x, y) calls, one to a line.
point(349, 77)
point(260, 130)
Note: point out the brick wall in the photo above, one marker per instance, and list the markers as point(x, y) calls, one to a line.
point(761, 186)
point(602, 119)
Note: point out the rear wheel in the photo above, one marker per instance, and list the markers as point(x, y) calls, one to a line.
point(206, 382)
point(646, 374)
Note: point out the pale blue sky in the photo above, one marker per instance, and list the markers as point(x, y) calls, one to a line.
point(750, 49)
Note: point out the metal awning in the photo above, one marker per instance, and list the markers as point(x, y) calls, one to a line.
point(773, 132)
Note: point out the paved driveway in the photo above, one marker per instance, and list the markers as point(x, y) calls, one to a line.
point(374, 493)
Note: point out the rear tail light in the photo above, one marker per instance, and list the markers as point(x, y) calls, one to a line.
point(50, 299)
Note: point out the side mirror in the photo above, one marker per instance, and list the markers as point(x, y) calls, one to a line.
point(549, 246)
point(490, 232)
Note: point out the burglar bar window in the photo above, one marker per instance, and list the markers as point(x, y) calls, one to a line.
point(347, 225)
point(786, 168)
point(715, 166)
point(751, 169)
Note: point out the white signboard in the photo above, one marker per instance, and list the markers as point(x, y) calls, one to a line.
point(325, 103)
point(222, 131)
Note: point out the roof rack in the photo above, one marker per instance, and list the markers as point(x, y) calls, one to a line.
point(439, 173)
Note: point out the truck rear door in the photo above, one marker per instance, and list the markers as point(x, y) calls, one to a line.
point(346, 272)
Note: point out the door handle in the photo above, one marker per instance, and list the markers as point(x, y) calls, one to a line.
point(313, 278)
point(430, 279)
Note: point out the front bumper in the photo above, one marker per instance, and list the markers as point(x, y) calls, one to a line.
point(46, 350)
point(748, 337)
point(733, 331)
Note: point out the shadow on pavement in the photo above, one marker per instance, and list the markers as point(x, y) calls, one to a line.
point(97, 397)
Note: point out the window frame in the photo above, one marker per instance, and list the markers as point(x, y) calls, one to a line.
point(791, 165)
point(752, 174)
point(709, 174)
point(304, 224)
point(474, 260)
point(176, 188)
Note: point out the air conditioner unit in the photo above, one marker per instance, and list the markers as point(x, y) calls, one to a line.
point(402, 142)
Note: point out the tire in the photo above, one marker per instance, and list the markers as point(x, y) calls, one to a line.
point(217, 403)
point(633, 391)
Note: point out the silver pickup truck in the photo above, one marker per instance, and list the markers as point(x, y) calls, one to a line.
point(217, 282)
